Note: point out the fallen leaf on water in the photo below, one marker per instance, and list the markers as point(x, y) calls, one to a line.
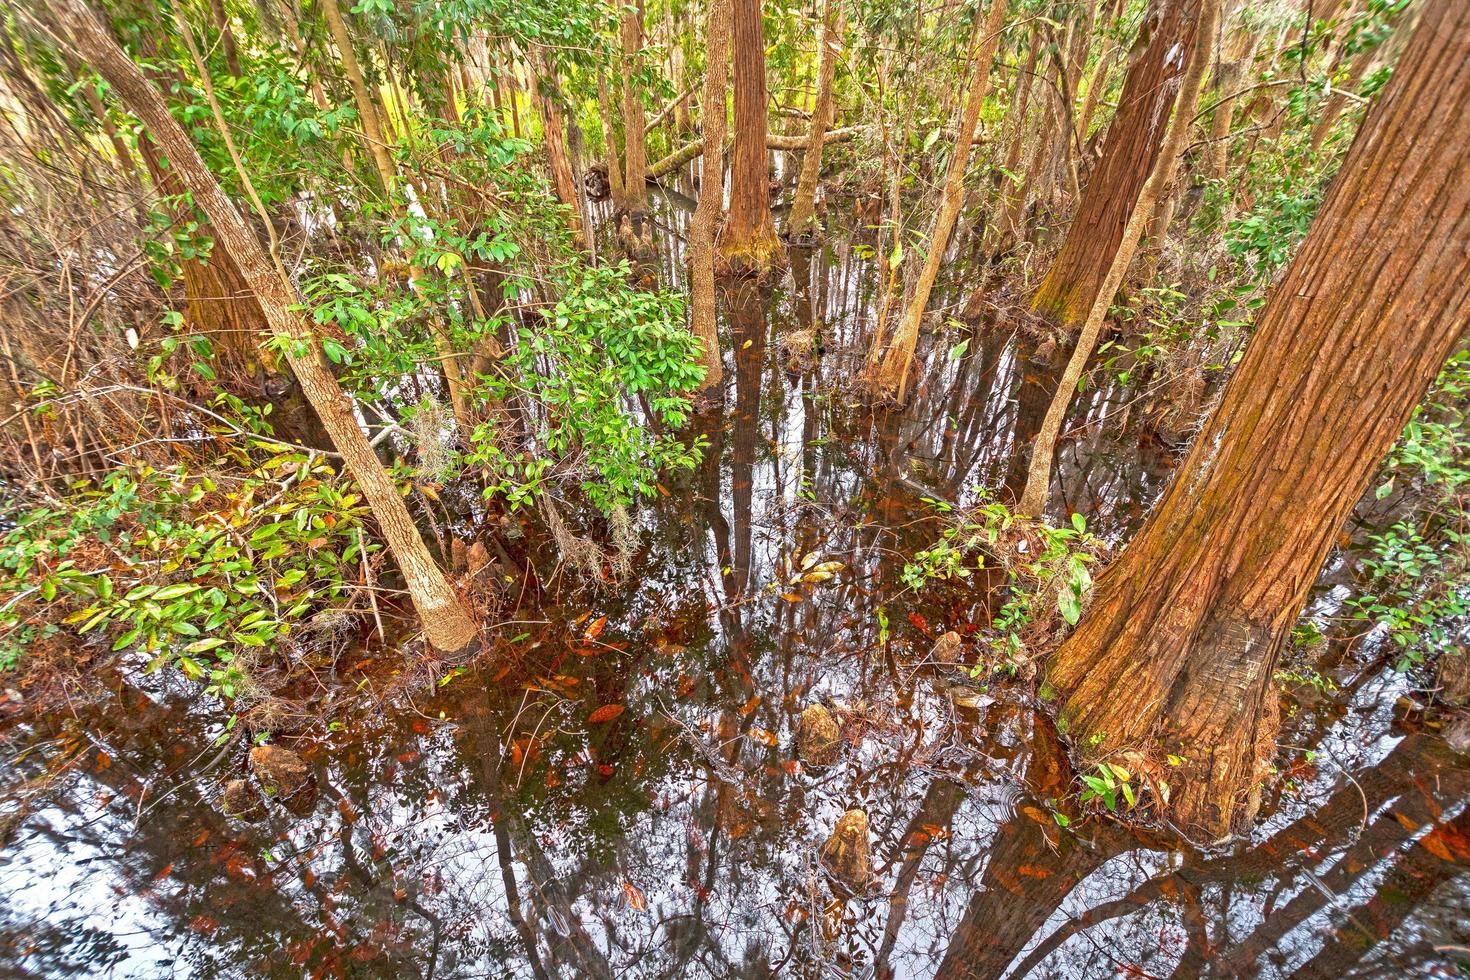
point(920, 623)
point(790, 596)
point(605, 713)
point(751, 705)
point(763, 736)
point(635, 897)
point(595, 630)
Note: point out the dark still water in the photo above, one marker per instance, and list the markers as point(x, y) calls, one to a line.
point(614, 791)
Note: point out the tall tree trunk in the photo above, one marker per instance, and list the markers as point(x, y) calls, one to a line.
point(635, 188)
point(802, 219)
point(1134, 141)
point(369, 115)
point(891, 378)
point(610, 144)
point(553, 130)
point(1177, 651)
point(748, 242)
point(447, 623)
point(1238, 47)
point(1097, 82)
point(711, 199)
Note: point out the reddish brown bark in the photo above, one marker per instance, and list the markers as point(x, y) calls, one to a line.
point(1134, 140)
point(711, 200)
point(748, 242)
point(635, 190)
point(1177, 651)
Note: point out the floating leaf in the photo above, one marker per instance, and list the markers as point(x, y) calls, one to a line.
point(605, 713)
point(635, 897)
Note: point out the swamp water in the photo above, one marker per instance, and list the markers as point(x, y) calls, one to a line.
point(613, 791)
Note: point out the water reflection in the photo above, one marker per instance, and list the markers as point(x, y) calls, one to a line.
point(489, 825)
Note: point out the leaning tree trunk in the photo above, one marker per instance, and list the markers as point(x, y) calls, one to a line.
point(890, 379)
point(802, 219)
point(711, 200)
point(1176, 654)
point(635, 190)
point(447, 623)
point(1038, 476)
point(748, 242)
point(1134, 140)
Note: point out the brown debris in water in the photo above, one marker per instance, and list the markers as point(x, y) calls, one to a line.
point(947, 648)
point(818, 737)
point(281, 772)
point(848, 852)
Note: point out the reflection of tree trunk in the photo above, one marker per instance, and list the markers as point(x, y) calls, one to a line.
point(1033, 394)
point(941, 801)
point(1025, 881)
point(1177, 651)
point(1413, 809)
point(746, 306)
point(1412, 878)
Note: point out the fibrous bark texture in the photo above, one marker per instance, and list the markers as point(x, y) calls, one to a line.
point(711, 195)
point(1177, 651)
point(1133, 143)
point(636, 156)
point(748, 242)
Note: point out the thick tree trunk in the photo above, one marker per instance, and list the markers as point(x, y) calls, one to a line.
point(447, 622)
point(635, 191)
point(890, 380)
point(711, 199)
point(748, 242)
point(1177, 651)
point(802, 219)
point(1134, 140)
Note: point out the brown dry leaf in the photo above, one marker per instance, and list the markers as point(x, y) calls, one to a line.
point(790, 596)
point(595, 630)
point(605, 713)
point(751, 705)
point(764, 737)
point(635, 897)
